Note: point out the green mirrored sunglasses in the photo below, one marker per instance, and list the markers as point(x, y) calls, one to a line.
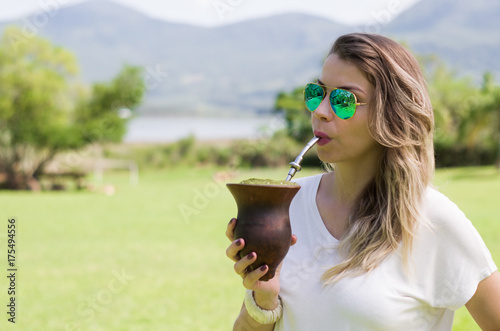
point(342, 101)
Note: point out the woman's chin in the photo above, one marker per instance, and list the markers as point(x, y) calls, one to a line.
point(327, 157)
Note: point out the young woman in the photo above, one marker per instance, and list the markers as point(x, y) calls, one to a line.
point(377, 248)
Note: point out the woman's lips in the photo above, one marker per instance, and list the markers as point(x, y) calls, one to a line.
point(324, 139)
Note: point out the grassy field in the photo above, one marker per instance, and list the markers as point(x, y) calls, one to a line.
point(151, 256)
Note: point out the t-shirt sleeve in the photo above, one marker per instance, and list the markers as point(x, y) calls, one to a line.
point(450, 256)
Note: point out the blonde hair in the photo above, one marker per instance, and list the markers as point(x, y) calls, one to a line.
point(402, 121)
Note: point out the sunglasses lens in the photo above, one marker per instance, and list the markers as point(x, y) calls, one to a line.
point(313, 95)
point(343, 103)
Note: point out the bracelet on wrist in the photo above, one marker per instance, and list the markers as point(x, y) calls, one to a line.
point(260, 315)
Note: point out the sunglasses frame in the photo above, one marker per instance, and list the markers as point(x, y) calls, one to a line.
point(324, 87)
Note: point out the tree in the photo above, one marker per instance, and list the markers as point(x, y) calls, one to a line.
point(466, 115)
point(297, 117)
point(491, 111)
point(44, 110)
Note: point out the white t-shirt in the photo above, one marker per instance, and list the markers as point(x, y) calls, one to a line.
point(448, 263)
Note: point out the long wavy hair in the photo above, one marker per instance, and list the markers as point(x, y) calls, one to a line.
point(387, 212)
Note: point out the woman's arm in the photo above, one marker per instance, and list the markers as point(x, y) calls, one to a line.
point(484, 306)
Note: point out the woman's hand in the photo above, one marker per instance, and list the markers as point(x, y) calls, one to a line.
point(265, 292)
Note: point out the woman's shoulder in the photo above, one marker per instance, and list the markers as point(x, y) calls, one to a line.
point(439, 209)
point(448, 224)
point(450, 256)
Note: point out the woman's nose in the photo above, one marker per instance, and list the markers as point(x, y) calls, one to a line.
point(324, 111)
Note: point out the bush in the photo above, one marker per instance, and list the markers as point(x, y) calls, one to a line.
point(269, 152)
point(454, 156)
point(276, 151)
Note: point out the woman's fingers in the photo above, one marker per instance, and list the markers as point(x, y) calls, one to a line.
point(241, 266)
point(233, 250)
point(230, 229)
point(253, 277)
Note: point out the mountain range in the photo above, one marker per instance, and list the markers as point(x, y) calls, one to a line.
point(239, 68)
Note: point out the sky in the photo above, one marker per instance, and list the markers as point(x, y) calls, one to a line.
point(220, 12)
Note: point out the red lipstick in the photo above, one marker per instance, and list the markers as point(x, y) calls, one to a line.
point(324, 139)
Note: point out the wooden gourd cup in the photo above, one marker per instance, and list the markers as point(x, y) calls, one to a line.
point(264, 222)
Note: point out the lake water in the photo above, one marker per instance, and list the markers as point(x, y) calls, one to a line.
point(168, 129)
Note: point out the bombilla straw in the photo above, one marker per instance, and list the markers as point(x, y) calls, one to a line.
point(295, 165)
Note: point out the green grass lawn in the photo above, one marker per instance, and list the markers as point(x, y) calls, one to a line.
point(152, 256)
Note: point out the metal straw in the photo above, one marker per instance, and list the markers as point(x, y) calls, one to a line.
point(295, 165)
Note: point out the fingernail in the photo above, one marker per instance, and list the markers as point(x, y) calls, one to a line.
point(251, 256)
point(238, 242)
point(263, 268)
point(231, 221)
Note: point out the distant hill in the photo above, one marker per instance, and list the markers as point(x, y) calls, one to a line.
point(464, 33)
point(239, 68)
